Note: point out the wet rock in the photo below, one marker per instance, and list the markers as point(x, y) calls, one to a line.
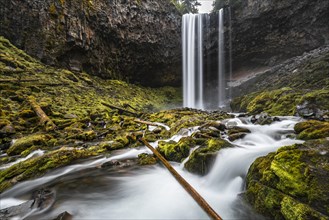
point(7, 130)
point(202, 159)
point(19, 210)
point(291, 183)
point(64, 216)
point(112, 163)
point(26, 142)
point(237, 129)
point(312, 129)
point(236, 136)
point(174, 151)
point(38, 166)
point(43, 198)
point(263, 119)
point(146, 159)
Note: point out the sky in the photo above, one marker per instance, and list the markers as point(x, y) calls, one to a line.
point(206, 6)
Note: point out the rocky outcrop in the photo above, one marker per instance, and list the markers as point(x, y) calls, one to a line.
point(298, 86)
point(266, 32)
point(132, 40)
point(291, 183)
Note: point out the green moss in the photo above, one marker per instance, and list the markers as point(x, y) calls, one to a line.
point(39, 165)
point(146, 159)
point(52, 10)
point(312, 129)
point(291, 183)
point(201, 160)
point(292, 209)
point(276, 102)
point(174, 151)
point(282, 101)
point(291, 171)
point(24, 143)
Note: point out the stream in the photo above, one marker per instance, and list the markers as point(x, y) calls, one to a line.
point(88, 191)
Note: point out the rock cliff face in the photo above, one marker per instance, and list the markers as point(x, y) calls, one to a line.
point(133, 40)
point(267, 32)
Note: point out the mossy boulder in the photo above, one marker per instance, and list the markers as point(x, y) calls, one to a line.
point(174, 151)
point(38, 166)
point(292, 183)
point(312, 129)
point(285, 101)
point(202, 159)
point(26, 142)
point(276, 102)
point(146, 159)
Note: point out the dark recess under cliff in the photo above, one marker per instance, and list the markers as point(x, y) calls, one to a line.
point(137, 41)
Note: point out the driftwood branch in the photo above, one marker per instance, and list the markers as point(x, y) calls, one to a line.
point(196, 196)
point(44, 119)
point(121, 110)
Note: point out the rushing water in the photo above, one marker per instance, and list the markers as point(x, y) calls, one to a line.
point(90, 192)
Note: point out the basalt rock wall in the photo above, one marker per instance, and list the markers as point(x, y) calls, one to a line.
point(267, 32)
point(135, 40)
point(270, 31)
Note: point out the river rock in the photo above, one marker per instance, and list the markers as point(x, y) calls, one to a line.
point(135, 40)
point(202, 159)
point(291, 183)
point(64, 216)
point(312, 129)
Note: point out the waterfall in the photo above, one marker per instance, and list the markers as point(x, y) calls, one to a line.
point(200, 91)
point(221, 60)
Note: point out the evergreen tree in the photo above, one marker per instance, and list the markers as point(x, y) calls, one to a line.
point(186, 6)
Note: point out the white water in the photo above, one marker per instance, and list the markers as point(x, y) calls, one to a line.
point(32, 154)
point(221, 61)
point(195, 84)
point(88, 192)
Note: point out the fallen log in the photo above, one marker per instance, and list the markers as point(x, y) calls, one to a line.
point(121, 110)
point(44, 119)
point(196, 196)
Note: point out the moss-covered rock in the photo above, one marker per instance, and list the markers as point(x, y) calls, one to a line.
point(174, 151)
point(38, 166)
point(201, 160)
point(146, 159)
point(292, 183)
point(312, 129)
point(285, 101)
point(277, 102)
point(26, 142)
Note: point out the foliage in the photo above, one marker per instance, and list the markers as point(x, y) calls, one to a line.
point(186, 6)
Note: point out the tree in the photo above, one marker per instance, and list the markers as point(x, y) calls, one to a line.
point(186, 6)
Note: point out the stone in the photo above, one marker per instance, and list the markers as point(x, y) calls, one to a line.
point(134, 40)
point(291, 183)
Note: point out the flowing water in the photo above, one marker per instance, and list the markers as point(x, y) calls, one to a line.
point(88, 191)
point(205, 85)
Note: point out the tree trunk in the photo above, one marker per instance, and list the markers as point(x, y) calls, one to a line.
point(196, 196)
